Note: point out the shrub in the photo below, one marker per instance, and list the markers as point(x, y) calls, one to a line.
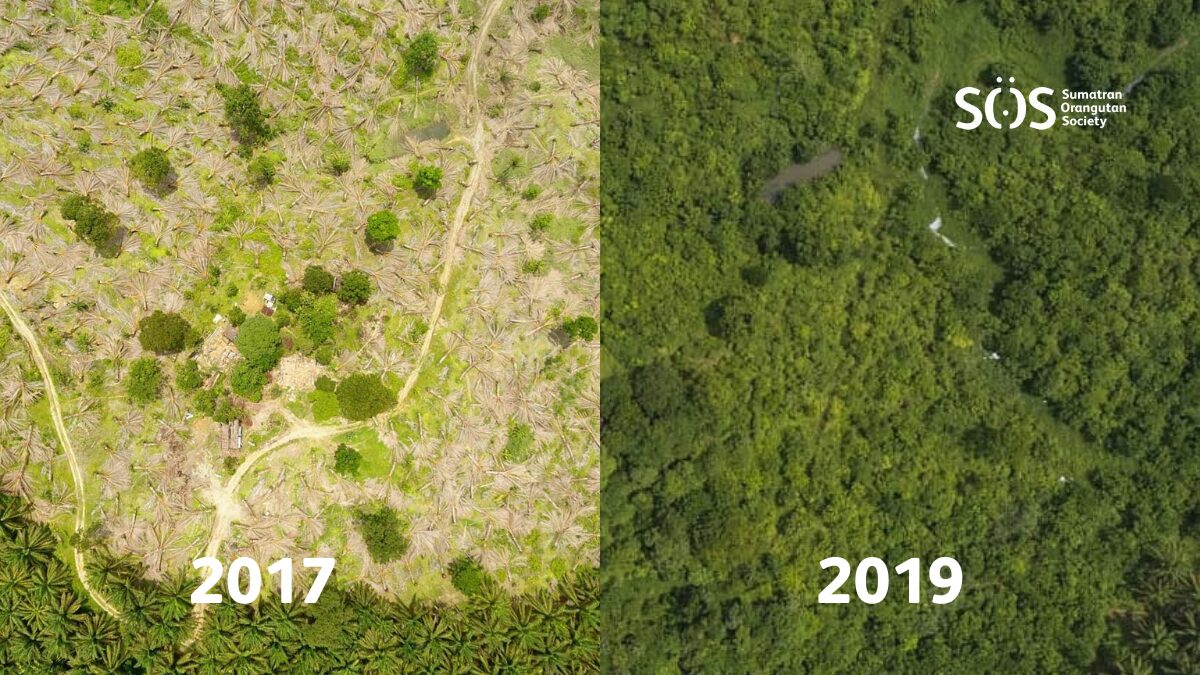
point(427, 180)
point(144, 379)
point(540, 13)
point(237, 316)
point(520, 442)
point(531, 192)
point(468, 576)
point(535, 267)
point(356, 288)
point(187, 375)
point(206, 402)
point(163, 332)
point(363, 396)
point(258, 341)
point(326, 383)
point(261, 171)
point(420, 58)
point(381, 530)
point(247, 381)
point(153, 168)
point(244, 116)
point(227, 412)
point(317, 280)
point(294, 299)
point(337, 162)
point(382, 228)
point(93, 224)
point(580, 328)
point(346, 460)
point(541, 222)
point(324, 355)
point(317, 320)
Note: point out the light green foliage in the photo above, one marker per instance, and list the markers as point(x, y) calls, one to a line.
point(247, 381)
point(382, 228)
point(324, 405)
point(259, 342)
point(520, 443)
point(143, 380)
point(540, 13)
point(153, 168)
point(317, 320)
point(541, 222)
point(129, 55)
point(261, 170)
point(426, 180)
point(227, 411)
point(187, 375)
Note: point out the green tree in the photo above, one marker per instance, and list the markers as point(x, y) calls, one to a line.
point(163, 332)
point(144, 380)
point(93, 224)
point(187, 375)
point(420, 58)
point(580, 328)
point(356, 288)
point(153, 168)
point(318, 319)
point(362, 396)
point(244, 116)
point(206, 402)
point(259, 342)
point(317, 280)
point(247, 381)
point(468, 576)
point(346, 460)
point(382, 229)
point(427, 180)
point(382, 531)
point(227, 411)
point(261, 170)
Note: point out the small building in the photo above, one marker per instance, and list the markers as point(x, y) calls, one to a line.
point(230, 437)
point(268, 308)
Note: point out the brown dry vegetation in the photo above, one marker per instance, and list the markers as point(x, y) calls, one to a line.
point(151, 471)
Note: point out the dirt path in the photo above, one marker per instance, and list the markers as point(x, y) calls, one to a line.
point(225, 498)
point(60, 428)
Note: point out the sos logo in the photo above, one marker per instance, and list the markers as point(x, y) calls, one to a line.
point(1014, 119)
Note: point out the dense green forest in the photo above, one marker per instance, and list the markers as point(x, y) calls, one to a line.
point(823, 375)
point(47, 626)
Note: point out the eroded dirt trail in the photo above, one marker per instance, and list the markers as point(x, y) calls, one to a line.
point(64, 439)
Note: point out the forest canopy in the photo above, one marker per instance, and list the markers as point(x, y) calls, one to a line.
point(818, 373)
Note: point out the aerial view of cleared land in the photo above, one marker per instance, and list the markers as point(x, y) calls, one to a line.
point(299, 279)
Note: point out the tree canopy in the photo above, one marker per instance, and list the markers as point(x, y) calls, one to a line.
point(244, 116)
point(363, 396)
point(153, 168)
point(259, 342)
point(356, 288)
point(421, 56)
point(144, 380)
point(163, 332)
point(93, 224)
point(383, 533)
